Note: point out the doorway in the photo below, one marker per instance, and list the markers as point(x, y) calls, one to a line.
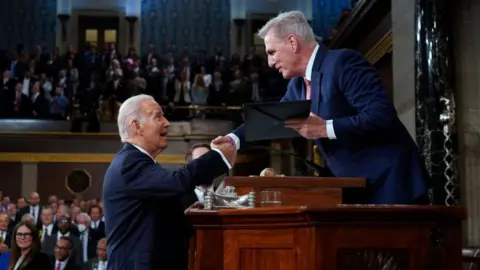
point(98, 31)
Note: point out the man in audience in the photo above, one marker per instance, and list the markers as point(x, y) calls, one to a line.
point(97, 226)
point(137, 232)
point(100, 262)
point(33, 209)
point(5, 233)
point(48, 228)
point(63, 255)
point(87, 238)
point(64, 225)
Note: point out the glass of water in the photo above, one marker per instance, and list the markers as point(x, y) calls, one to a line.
point(270, 198)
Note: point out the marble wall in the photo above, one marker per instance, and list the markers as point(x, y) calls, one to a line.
point(467, 62)
point(467, 85)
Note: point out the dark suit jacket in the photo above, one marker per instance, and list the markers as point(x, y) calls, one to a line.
point(371, 141)
point(90, 265)
point(26, 210)
point(69, 266)
point(40, 261)
point(145, 222)
point(99, 232)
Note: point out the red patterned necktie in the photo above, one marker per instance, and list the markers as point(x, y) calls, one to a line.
point(59, 266)
point(308, 86)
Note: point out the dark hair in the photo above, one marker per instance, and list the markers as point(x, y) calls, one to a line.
point(15, 252)
point(69, 240)
point(92, 207)
point(188, 156)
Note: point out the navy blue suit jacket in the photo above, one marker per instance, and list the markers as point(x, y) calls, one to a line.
point(371, 141)
point(144, 220)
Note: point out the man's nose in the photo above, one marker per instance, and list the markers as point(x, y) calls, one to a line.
point(271, 63)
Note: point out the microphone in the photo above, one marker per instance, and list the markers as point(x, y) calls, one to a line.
point(311, 165)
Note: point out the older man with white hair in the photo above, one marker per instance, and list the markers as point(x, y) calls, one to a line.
point(145, 222)
point(89, 244)
point(352, 120)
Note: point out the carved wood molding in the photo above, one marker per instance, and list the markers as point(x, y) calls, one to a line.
point(382, 47)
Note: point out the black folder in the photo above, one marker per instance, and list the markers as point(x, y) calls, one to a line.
point(266, 121)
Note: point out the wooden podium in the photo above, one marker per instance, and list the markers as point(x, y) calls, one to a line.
point(342, 237)
point(304, 190)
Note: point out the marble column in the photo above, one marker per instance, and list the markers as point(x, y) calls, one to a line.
point(435, 96)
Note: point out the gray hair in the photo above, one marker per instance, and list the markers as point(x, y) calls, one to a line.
point(85, 216)
point(129, 111)
point(291, 22)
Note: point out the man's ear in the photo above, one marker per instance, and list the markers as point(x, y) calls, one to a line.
point(136, 124)
point(293, 42)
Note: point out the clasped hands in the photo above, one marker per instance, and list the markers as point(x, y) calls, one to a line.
point(224, 144)
point(313, 127)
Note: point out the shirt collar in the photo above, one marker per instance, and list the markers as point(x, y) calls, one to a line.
point(308, 71)
point(143, 151)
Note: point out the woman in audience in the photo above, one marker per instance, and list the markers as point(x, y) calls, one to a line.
point(25, 250)
point(199, 91)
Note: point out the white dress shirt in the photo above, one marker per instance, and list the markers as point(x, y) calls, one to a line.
point(35, 212)
point(84, 240)
point(62, 264)
point(47, 230)
point(102, 265)
point(59, 234)
point(95, 224)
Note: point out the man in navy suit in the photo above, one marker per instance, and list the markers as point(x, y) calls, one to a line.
point(144, 220)
point(352, 120)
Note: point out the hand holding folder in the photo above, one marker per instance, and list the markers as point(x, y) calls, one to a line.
point(266, 121)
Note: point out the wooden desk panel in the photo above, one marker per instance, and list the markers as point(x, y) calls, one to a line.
point(342, 237)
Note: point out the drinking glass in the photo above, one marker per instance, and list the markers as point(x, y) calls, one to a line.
point(270, 198)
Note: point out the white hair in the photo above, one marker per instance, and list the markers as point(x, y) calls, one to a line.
point(85, 216)
point(129, 111)
point(287, 23)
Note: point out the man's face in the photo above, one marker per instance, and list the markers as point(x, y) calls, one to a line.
point(5, 200)
point(62, 211)
point(282, 54)
point(199, 151)
point(102, 250)
point(34, 199)
point(21, 203)
point(63, 224)
point(62, 249)
point(154, 128)
point(4, 220)
point(95, 213)
point(12, 209)
point(75, 212)
point(47, 216)
point(52, 199)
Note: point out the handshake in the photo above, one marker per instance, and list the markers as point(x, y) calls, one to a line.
point(227, 146)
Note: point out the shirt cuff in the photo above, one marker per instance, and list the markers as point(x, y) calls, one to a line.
point(235, 139)
point(223, 157)
point(330, 131)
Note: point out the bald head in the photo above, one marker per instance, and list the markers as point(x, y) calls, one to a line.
point(34, 199)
